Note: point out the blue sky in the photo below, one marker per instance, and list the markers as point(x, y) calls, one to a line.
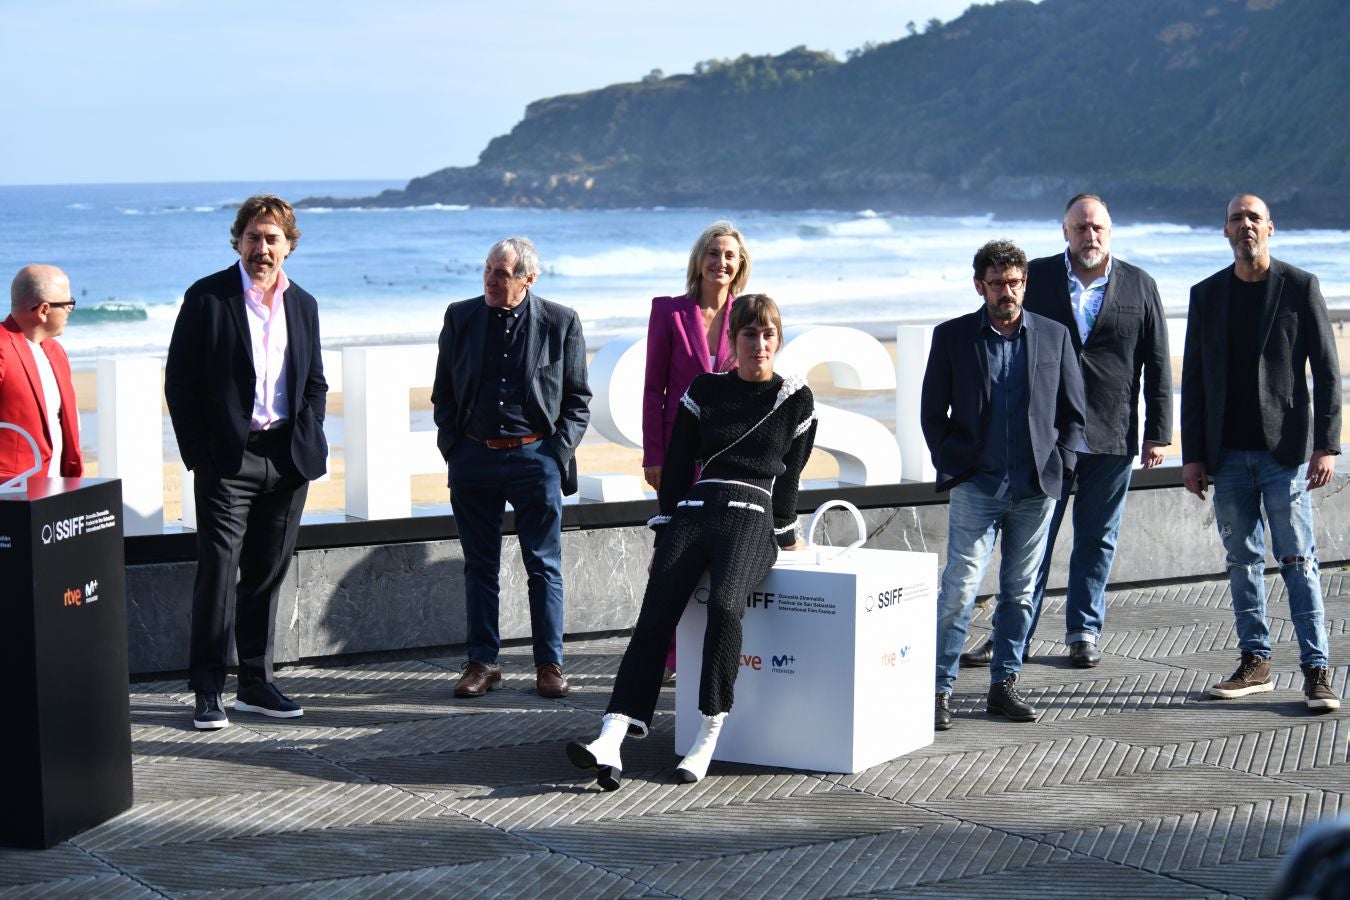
point(194, 90)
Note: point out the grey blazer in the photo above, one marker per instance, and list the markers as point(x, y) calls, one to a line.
point(557, 399)
point(1129, 339)
point(1295, 334)
point(954, 409)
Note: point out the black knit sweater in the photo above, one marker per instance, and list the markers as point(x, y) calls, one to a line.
point(757, 432)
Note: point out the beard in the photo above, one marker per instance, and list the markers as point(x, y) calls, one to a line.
point(1247, 251)
point(1091, 257)
point(1002, 313)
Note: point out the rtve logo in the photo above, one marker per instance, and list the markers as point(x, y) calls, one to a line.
point(749, 661)
point(894, 657)
point(80, 596)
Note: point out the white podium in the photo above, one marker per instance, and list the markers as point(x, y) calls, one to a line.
point(837, 663)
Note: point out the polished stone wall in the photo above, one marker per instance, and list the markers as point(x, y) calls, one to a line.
point(411, 595)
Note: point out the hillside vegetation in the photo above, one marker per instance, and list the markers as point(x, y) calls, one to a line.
point(1167, 107)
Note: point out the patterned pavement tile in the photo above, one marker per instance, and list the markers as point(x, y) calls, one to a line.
point(107, 887)
point(324, 853)
point(1117, 800)
point(1193, 835)
point(63, 862)
point(274, 768)
point(247, 814)
point(536, 875)
point(935, 852)
point(528, 808)
point(728, 830)
point(1068, 880)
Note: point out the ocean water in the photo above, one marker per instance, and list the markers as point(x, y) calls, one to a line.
point(385, 276)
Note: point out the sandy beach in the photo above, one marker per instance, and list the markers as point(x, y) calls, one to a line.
point(595, 455)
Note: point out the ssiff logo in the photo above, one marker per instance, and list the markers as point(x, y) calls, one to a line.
point(63, 529)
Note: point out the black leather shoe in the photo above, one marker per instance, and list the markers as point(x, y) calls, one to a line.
point(942, 713)
point(1004, 701)
point(1084, 654)
point(979, 658)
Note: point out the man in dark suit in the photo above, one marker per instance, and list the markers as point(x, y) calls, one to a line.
point(246, 393)
point(511, 404)
point(1001, 410)
point(1115, 318)
point(1253, 331)
point(36, 392)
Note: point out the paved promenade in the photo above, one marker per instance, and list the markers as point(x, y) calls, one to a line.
point(1132, 784)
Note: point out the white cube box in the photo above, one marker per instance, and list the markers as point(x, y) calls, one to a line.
point(837, 662)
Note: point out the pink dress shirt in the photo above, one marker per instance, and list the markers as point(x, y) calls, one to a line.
point(267, 338)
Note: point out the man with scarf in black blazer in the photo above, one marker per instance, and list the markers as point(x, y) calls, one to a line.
point(511, 403)
point(1253, 332)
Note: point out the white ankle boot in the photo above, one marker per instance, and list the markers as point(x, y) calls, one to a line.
point(602, 754)
point(695, 764)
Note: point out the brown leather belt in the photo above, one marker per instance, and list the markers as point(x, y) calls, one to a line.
point(510, 443)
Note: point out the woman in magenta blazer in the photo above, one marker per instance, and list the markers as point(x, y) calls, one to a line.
point(687, 335)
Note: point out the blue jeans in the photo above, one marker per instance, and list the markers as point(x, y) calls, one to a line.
point(1246, 481)
point(974, 522)
point(482, 481)
point(1103, 481)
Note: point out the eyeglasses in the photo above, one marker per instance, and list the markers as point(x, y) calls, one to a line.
point(64, 304)
point(997, 285)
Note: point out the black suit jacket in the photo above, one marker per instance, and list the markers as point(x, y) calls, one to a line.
point(1128, 339)
point(557, 396)
point(1295, 334)
point(955, 409)
point(209, 379)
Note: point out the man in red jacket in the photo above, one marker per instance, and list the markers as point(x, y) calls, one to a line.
point(35, 388)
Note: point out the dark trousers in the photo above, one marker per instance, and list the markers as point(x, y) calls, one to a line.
point(735, 546)
point(482, 482)
point(246, 529)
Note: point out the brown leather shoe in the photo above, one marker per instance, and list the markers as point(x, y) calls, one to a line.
point(550, 681)
point(478, 679)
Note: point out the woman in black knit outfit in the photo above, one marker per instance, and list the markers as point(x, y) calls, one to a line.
point(751, 432)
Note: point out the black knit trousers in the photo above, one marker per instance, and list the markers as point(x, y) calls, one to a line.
point(736, 546)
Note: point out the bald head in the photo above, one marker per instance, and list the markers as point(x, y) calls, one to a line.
point(38, 284)
point(1087, 229)
point(1248, 228)
point(39, 299)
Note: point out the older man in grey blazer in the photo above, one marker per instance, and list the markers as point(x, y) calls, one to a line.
point(1247, 423)
point(1001, 411)
point(510, 402)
